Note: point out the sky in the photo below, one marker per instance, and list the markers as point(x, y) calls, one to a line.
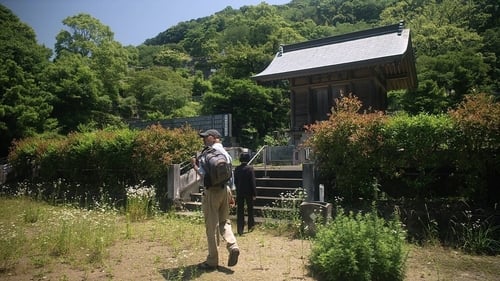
point(132, 21)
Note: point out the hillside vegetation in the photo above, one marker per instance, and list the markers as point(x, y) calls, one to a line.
point(203, 66)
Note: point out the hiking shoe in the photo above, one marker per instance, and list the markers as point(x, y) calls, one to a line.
point(233, 257)
point(205, 266)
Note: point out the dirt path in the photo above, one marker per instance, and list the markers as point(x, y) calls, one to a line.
point(263, 257)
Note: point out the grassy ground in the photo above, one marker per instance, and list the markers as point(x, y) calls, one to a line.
point(42, 242)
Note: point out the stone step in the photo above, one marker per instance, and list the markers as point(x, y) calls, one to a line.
point(277, 192)
point(265, 193)
point(279, 182)
point(260, 201)
point(278, 173)
point(259, 210)
point(192, 206)
point(266, 201)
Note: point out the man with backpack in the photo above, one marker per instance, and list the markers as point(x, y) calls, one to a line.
point(216, 198)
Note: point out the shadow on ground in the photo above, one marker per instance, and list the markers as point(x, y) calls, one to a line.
point(189, 272)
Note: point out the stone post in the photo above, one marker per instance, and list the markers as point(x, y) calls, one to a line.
point(173, 181)
point(308, 182)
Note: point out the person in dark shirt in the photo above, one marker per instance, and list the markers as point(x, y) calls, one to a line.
point(246, 192)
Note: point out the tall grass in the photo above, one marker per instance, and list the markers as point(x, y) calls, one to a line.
point(283, 215)
point(48, 228)
point(141, 202)
point(65, 233)
point(476, 235)
point(12, 241)
point(430, 227)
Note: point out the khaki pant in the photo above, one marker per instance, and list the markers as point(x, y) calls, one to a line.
point(215, 207)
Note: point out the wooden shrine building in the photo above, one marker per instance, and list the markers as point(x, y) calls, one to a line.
point(367, 63)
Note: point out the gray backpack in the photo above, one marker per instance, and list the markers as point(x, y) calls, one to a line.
point(218, 170)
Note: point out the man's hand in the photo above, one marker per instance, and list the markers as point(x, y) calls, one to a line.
point(194, 161)
point(232, 203)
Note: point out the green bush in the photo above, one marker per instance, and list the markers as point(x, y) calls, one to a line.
point(103, 162)
point(345, 149)
point(478, 146)
point(421, 156)
point(416, 150)
point(156, 148)
point(359, 247)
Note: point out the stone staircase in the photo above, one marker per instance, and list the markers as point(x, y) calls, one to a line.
point(277, 188)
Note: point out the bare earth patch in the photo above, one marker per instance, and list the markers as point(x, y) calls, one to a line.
point(438, 263)
point(263, 257)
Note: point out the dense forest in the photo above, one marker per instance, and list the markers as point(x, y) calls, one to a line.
point(204, 66)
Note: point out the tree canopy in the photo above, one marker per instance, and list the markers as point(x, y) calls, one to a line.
point(24, 107)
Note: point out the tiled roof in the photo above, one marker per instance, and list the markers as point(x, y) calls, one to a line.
point(359, 49)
